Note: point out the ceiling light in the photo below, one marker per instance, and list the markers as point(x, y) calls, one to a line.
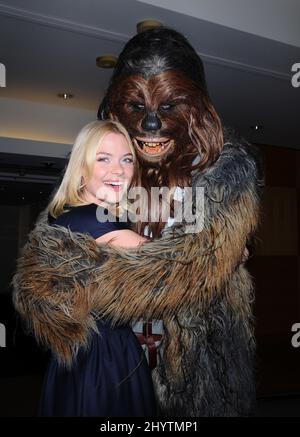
point(257, 127)
point(48, 164)
point(147, 24)
point(106, 61)
point(65, 96)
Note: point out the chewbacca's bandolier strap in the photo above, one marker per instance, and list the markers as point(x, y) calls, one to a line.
point(149, 340)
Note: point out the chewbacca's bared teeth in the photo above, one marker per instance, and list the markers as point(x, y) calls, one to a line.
point(152, 148)
point(153, 144)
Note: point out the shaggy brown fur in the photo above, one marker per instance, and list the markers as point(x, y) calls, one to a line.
point(62, 282)
point(190, 108)
point(192, 281)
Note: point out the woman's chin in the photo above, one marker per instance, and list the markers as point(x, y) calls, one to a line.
point(112, 200)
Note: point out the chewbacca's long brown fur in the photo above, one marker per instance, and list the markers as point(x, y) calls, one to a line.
point(192, 281)
point(194, 126)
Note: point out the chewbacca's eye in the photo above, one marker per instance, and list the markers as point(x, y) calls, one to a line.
point(137, 107)
point(166, 107)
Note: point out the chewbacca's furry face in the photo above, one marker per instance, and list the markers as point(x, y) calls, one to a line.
point(171, 122)
point(156, 113)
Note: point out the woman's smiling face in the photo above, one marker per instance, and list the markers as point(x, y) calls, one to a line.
point(112, 172)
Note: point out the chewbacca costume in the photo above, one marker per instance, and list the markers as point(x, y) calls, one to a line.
point(193, 282)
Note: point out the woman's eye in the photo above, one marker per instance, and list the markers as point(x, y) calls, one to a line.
point(102, 159)
point(128, 160)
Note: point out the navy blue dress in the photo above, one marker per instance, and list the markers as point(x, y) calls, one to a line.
point(112, 378)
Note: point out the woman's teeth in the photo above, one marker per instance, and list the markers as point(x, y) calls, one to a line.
point(114, 185)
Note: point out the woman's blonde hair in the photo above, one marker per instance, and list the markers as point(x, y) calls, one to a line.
point(82, 161)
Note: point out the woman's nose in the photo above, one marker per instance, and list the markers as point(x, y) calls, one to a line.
point(117, 168)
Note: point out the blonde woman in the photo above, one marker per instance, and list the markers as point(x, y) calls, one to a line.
point(111, 377)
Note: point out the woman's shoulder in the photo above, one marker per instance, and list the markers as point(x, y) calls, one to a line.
point(71, 213)
point(91, 219)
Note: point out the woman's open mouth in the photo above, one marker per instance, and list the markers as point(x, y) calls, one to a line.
point(154, 146)
point(115, 185)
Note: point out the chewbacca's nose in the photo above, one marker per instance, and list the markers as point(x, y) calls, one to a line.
point(151, 122)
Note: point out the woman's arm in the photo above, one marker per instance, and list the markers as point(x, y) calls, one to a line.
point(124, 238)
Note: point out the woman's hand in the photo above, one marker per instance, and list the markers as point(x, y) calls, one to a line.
point(124, 238)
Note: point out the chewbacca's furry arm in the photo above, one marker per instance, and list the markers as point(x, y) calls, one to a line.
point(64, 280)
point(180, 269)
point(52, 290)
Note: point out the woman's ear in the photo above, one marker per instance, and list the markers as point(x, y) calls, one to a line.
point(83, 179)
